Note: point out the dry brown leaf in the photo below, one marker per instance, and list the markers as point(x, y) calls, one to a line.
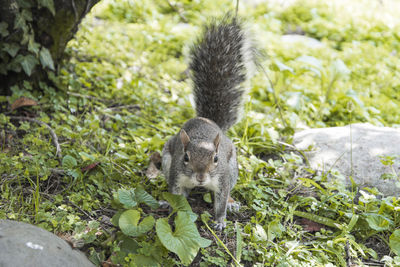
point(311, 226)
point(90, 166)
point(23, 102)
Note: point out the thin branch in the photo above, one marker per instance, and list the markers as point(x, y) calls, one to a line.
point(184, 19)
point(53, 134)
point(75, 11)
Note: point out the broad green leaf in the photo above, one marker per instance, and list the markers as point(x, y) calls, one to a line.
point(394, 241)
point(73, 173)
point(354, 95)
point(260, 233)
point(312, 61)
point(128, 222)
point(282, 67)
point(143, 260)
point(352, 222)
point(45, 58)
point(28, 63)
point(239, 242)
point(340, 68)
point(115, 218)
point(177, 202)
point(275, 229)
point(378, 222)
point(129, 245)
point(49, 4)
point(68, 162)
point(185, 241)
point(127, 198)
point(3, 29)
point(207, 197)
point(85, 156)
point(316, 218)
point(143, 197)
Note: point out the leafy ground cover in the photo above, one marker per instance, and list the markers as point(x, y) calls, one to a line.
point(123, 90)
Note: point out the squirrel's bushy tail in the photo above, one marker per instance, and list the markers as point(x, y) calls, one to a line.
point(220, 62)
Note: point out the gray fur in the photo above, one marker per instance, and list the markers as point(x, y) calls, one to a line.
point(220, 62)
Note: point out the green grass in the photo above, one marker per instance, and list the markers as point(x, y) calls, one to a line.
point(122, 91)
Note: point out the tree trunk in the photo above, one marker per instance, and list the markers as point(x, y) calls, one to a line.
point(33, 37)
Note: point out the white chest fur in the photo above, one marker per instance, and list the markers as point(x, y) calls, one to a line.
point(210, 183)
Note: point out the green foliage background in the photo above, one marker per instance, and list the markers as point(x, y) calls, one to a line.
point(123, 90)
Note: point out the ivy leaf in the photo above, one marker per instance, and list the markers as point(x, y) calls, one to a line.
point(143, 197)
point(26, 14)
point(28, 63)
point(127, 198)
point(185, 241)
point(24, 3)
point(46, 59)
point(3, 29)
point(394, 241)
point(33, 46)
point(19, 22)
point(11, 48)
point(49, 4)
point(68, 162)
point(128, 222)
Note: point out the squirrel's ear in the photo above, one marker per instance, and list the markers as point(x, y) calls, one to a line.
point(184, 138)
point(216, 142)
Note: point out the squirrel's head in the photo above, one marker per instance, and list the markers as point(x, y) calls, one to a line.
point(200, 158)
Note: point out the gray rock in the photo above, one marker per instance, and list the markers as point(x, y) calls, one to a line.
point(357, 154)
point(26, 245)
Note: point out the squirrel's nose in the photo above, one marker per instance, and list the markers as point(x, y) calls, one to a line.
point(200, 177)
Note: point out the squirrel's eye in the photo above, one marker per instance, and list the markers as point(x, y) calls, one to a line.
point(215, 159)
point(186, 158)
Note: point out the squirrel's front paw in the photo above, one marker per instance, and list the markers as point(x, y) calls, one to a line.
point(219, 226)
point(235, 206)
point(232, 205)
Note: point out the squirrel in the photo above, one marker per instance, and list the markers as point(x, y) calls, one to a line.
point(201, 155)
